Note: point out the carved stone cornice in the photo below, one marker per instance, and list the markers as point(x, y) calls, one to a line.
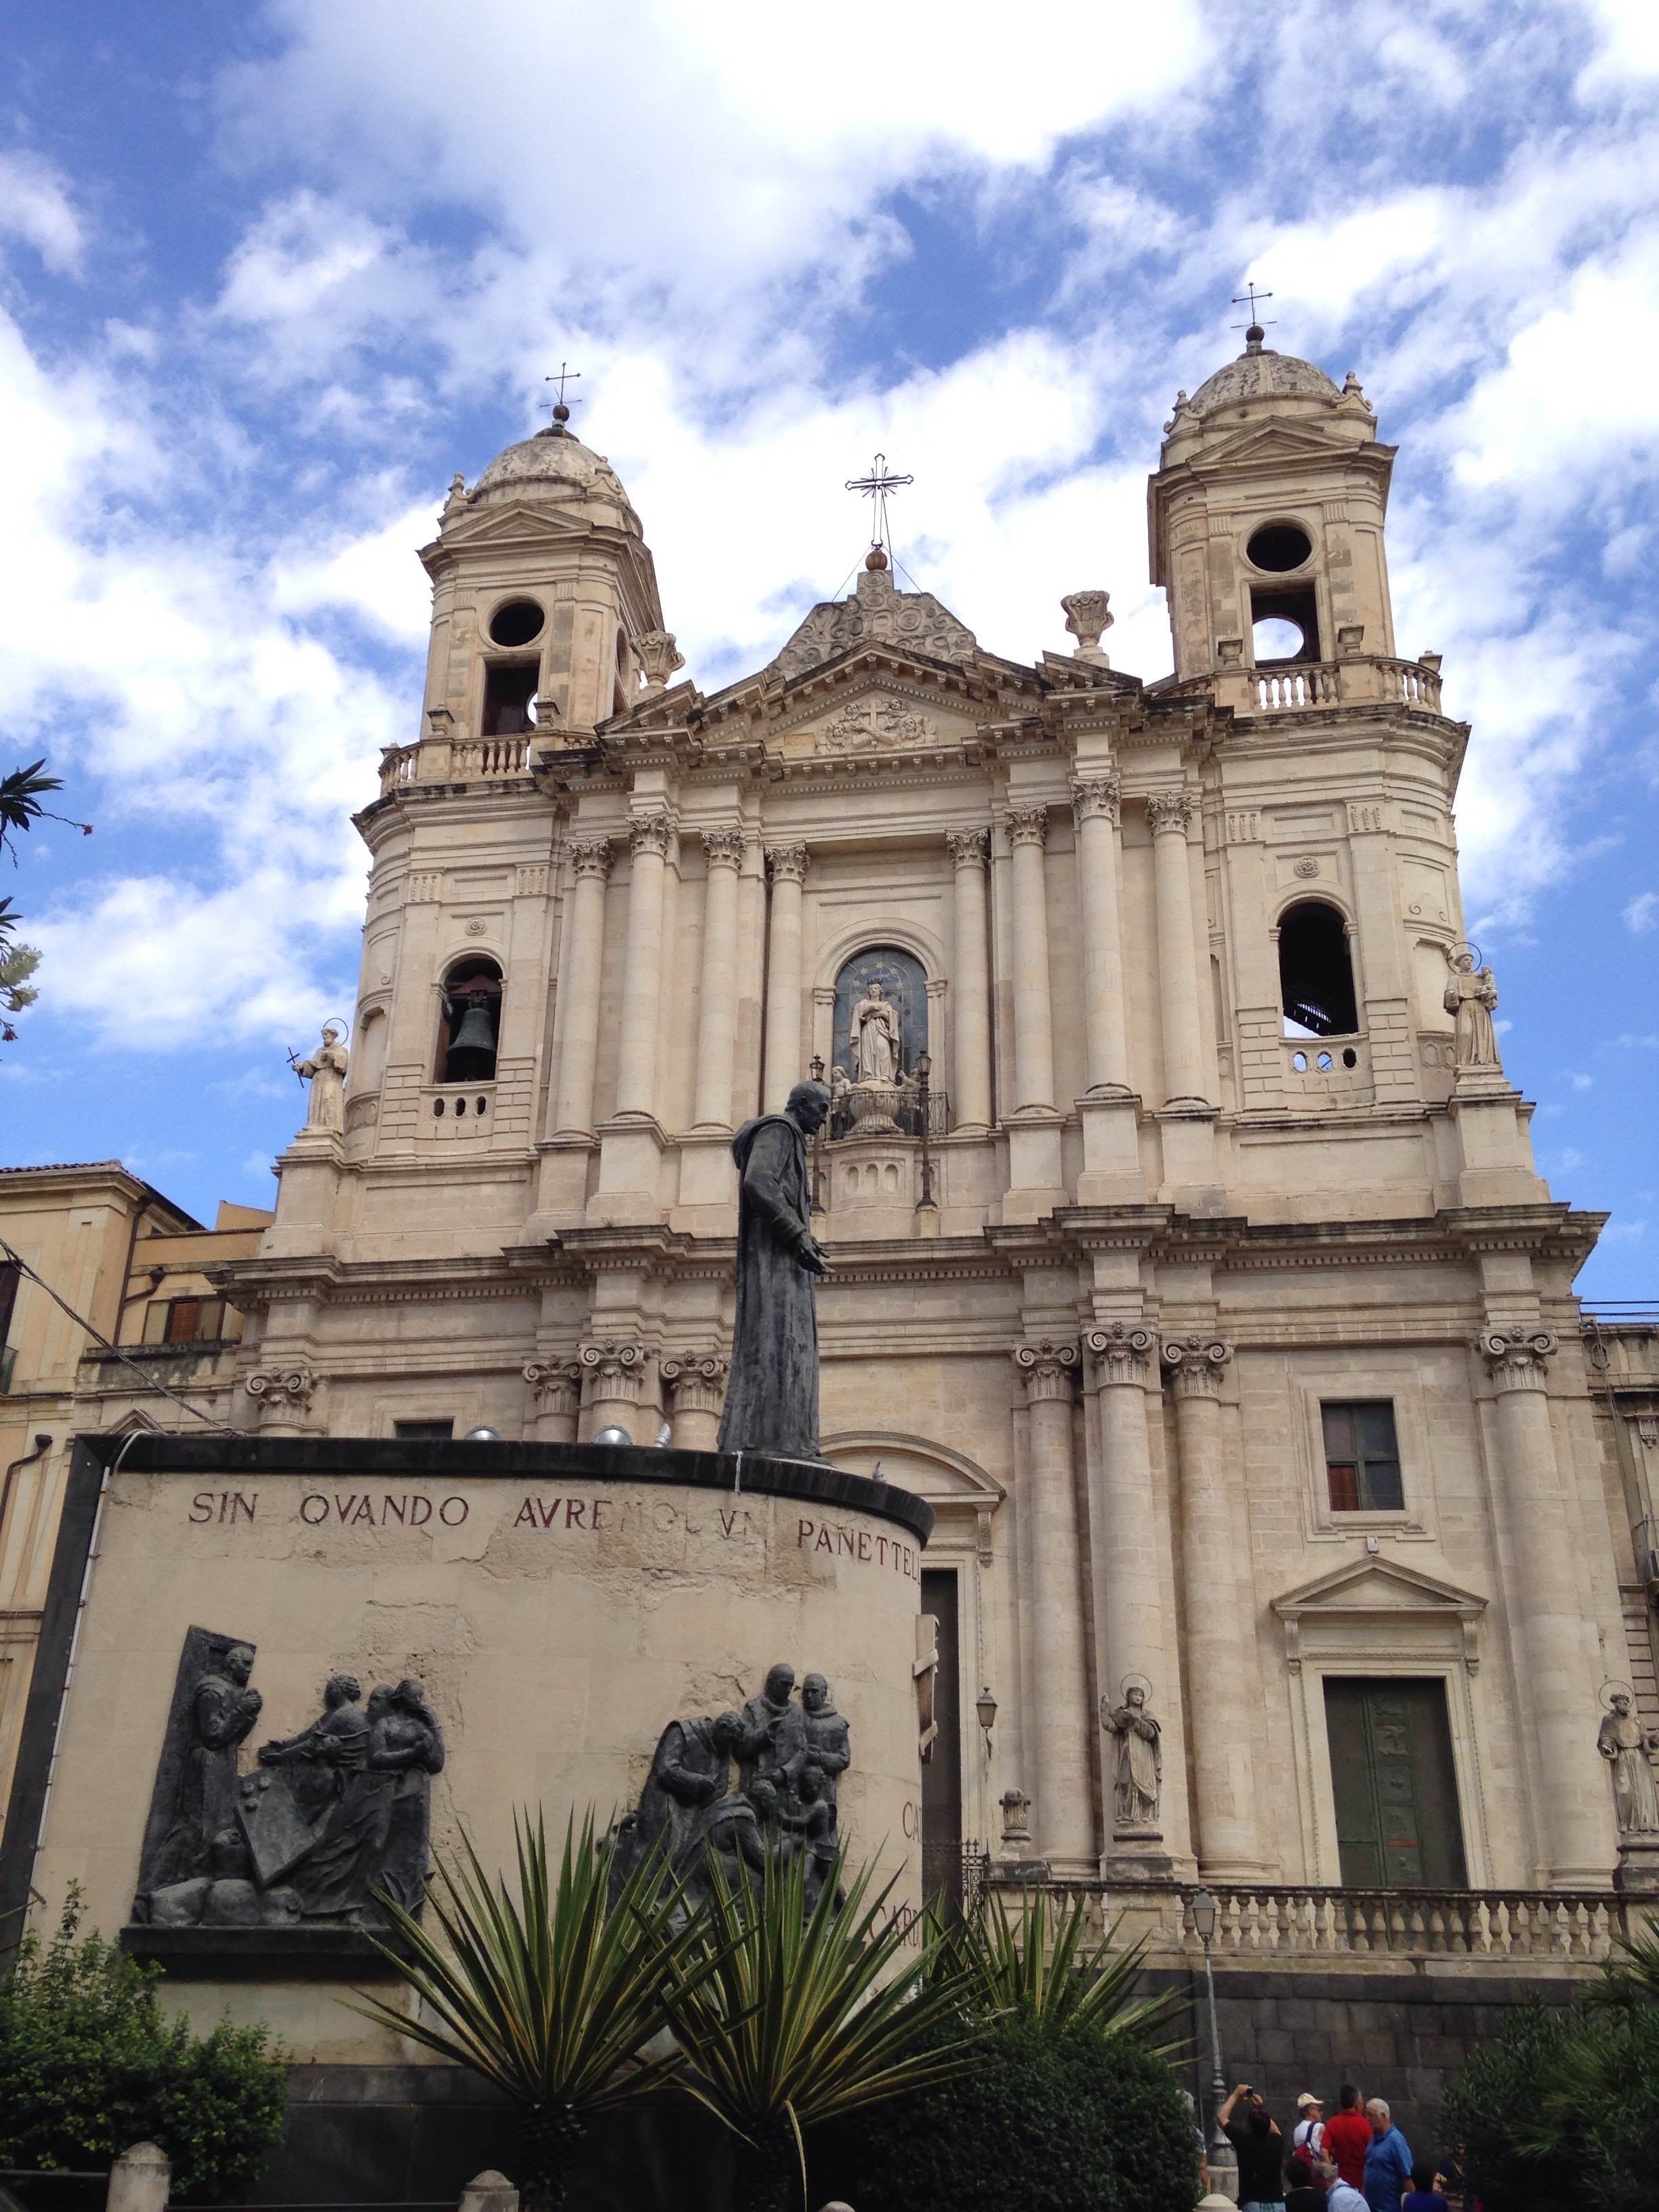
point(616, 1365)
point(282, 1389)
point(1027, 825)
point(1097, 795)
point(590, 856)
point(1170, 811)
point(649, 833)
point(1045, 1369)
point(723, 849)
point(786, 864)
point(968, 847)
point(555, 1385)
point(697, 1380)
point(1122, 1352)
point(1195, 1363)
point(1514, 1357)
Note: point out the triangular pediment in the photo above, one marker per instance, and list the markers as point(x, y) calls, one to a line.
point(894, 709)
point(519, 523)
point(1374, 1584)
point(1278, 444)
point(959, 1491)
point(876, 616)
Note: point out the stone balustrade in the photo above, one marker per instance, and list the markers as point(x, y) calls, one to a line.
point(1292, 687)
point(1501, 1923)
point(454, 760)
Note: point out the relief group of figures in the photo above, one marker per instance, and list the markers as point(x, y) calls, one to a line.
point(329, 1817)
point(790, 1758)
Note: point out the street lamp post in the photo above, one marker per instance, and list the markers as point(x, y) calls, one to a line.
point(924, 1079)
point(1224, 2162)
point(815, 1204)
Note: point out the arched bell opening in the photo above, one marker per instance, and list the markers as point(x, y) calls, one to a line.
point(1315, 972)
point(469, 1026)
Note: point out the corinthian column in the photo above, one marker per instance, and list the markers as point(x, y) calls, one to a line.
point(787, 864)
point(579, 982)
point(1568, 1791)
point(1171, 815)
point(636, 1064)
point(1034, 1043)
point(971, 996)
point(717, 1011)
point(1220, 1669)
point(1057, 1700)
point(1095, 811)
point(1123, 1525)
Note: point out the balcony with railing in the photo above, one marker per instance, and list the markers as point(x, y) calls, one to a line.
point(1296, 686)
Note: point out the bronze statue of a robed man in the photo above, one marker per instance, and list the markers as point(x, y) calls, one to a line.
point(772, 1397)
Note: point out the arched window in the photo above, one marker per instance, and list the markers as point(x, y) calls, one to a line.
point(1315, 975)
point(870, 1046)
point(471, 1024)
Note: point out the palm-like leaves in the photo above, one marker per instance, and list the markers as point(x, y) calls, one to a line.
point(795, 2018)
point(1048, 1979)
point(550, 1994)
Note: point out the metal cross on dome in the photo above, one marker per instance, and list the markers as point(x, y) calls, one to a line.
point(561, 406)
point(875, 487)
point(1250, 293)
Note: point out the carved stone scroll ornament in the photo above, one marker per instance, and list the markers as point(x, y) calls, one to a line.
point(649, 833)
point(555, 1385)
point(331, 1817)
point(617, 1367)
point(659, 656)
point(1027, 825)
point(1514, 1357)
point(1046, 1369)
point(1195, 1363)
point(787, 863)
point(968, 847)
point(283, 1392)
point(1170, 813)
point(1123, 1351)
point(723, 849)
point(590, 856)
point(876, 617)
point(1097, 796)
point(790, 1757)
point(697, 1380)
point(876, 726)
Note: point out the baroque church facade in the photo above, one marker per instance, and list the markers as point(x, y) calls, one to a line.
point(1189, 1255)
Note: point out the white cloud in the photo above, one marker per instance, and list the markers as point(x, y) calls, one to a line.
point(1580, 1081)
point(35, 207)
point(1642, 914)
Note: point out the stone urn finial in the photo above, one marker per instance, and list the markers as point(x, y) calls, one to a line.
point(1087, 615)
point(659, 656)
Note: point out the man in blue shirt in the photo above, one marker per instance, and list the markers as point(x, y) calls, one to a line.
point(1387, 2162)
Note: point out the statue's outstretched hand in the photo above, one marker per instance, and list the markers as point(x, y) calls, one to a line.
point(812, 1256)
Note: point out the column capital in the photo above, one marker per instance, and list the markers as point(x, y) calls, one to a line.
point(1194, 1363)
point(1097, 795)
point(1514, 1357)
point(968, 847)
point(786, 864)
point(1027, 825)
point(590, 856)
point(1170, 813)
point(1045, 1369)
point(649, 833)
point(286, 1392)
point(722, 848)
point(697, 1380)
point(616, 1365)
point(555, 1384)
point(1122, 1349)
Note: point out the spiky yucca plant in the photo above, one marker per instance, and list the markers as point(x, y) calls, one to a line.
point(1038, 1970)
point(792, 2018)
point(551, 1992)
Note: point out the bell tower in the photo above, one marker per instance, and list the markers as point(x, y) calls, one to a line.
point(1266, 519)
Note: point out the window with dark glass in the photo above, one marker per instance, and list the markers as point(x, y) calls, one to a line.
point(1362, 1457)
point(1316, 975)
point(424, 1432)
point(10, 1276)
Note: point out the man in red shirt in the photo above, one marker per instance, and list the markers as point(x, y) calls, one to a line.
point(1348, 2137)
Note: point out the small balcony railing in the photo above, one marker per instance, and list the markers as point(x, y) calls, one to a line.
point(454, 760)
point(878, 1109)
point(1490, 1923)
point(1359, 679)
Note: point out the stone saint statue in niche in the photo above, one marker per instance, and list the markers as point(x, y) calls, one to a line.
point(326, 1072)
point(772, 1398)
point(1137, 1761)
point(1624, 1743)
point(1471, 996)
point(875, 1037)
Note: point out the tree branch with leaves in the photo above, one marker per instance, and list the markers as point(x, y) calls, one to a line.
point(21, 808)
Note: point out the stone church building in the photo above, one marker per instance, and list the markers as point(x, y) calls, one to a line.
point(1190, 1257)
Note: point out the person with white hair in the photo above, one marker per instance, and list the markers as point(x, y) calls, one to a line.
point(1388, 2160)
point(1340, 2195)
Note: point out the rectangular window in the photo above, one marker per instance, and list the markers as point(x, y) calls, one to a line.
point(10, 1276)
point(1362, 1457)
point(184, 1320)
point(424, 1432)
point(509, 687)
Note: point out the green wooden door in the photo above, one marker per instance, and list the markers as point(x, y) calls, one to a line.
point(1397, 1820)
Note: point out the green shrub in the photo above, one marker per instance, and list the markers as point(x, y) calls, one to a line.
point(1081, 2121)
point(90, 2064)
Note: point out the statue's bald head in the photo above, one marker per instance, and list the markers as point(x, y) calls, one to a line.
point(807, 1105)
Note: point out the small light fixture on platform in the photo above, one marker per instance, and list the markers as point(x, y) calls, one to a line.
point(986, 1707)
point(482, 1437)
point(613, 1436)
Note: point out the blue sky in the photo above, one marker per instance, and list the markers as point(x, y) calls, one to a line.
point(268, 276)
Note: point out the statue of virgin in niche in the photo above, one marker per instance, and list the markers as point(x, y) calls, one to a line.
point(876, 1038)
